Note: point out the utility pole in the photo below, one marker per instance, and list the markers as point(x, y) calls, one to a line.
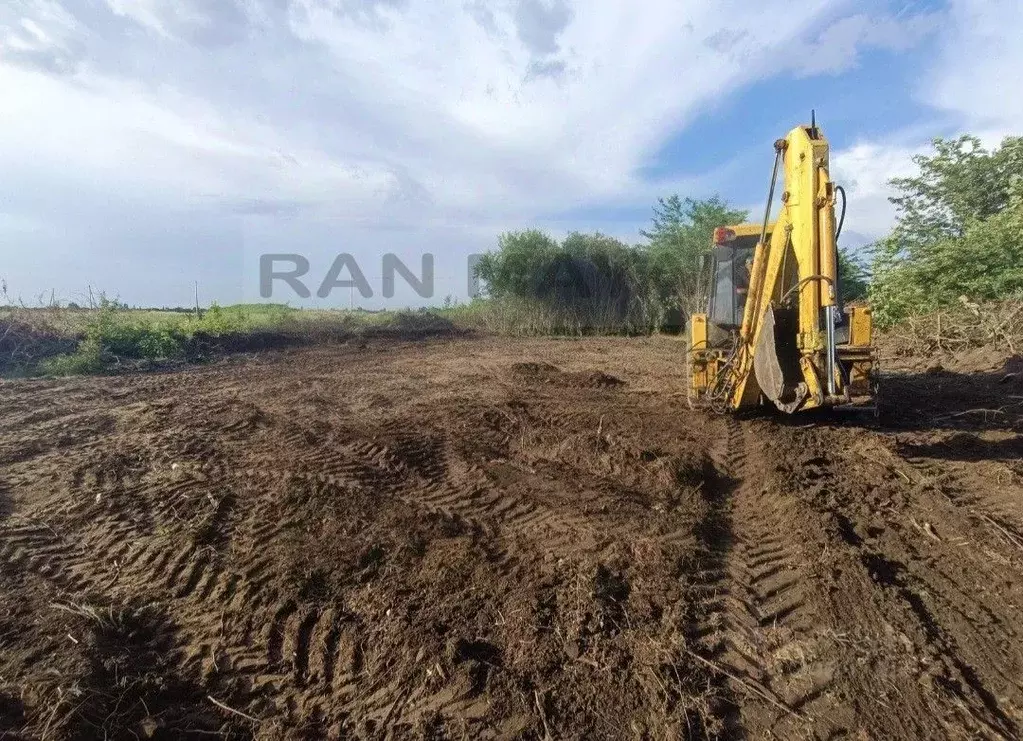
point(197, 299)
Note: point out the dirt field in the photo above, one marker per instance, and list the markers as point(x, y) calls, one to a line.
point(482, 538)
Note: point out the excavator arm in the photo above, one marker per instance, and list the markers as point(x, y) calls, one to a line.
point(788, 350)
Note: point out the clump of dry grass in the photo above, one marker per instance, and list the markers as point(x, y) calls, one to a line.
point(124, 681)
point(27, 336)
point(517, 316)
point(996, 324)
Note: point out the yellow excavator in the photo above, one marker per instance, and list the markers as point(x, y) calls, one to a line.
point(774, 331)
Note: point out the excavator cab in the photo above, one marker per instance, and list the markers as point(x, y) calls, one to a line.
point(731, 268)
point(775, 331)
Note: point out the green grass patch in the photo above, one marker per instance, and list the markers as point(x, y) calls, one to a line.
point(113, 334)
point(88, 358)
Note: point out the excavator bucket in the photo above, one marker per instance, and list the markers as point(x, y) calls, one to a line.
point(766, 364)
point(776, 365)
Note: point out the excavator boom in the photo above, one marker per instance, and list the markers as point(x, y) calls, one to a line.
point(794, 347)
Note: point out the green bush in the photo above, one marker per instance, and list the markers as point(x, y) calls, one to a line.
point(585, 283)
point(513, 315)
point(118, 333)
point(596, 283)
point(114, 332)
point(222, 320)
point(959, 232)
point(88, 358)
point(139, 340)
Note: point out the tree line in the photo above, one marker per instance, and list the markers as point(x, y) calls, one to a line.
point(958, 232)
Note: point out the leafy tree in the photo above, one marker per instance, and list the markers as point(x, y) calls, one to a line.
point(959, 184)
point(587, 280)
point(680, 235)
point(532, 264)
point(520, 257)
point(959, 230)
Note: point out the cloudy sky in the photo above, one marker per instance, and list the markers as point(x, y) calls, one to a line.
point(146, 144)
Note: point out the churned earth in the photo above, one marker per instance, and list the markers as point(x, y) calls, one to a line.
point(507, 539)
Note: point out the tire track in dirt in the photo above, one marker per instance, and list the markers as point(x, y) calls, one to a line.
point(960, 680)
point(32, 547)
point(274, 648)
point(437, 479)
point(303, 643)
point(978, 502)
point(56, 559)
point(713, 617)
point(113, 546)
point(413, 468)
point(915, 580)
point(189, 573)
point(938, 596)
point(755, 610)
point(280, 545)
point(776, 645)
point(107, 551)
point(417, 469)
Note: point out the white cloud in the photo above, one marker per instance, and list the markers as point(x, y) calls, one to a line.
point(38, 32)
point(620, 79)
point(168, 18)
point(977, 77)
point(840, 44)
point(170, 148)
point(157, 15)
point(372, 113)
point(513, 108)
point(864, 171)
point(972, 82)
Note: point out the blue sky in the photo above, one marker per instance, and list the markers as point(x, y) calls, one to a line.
point(147, 144)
